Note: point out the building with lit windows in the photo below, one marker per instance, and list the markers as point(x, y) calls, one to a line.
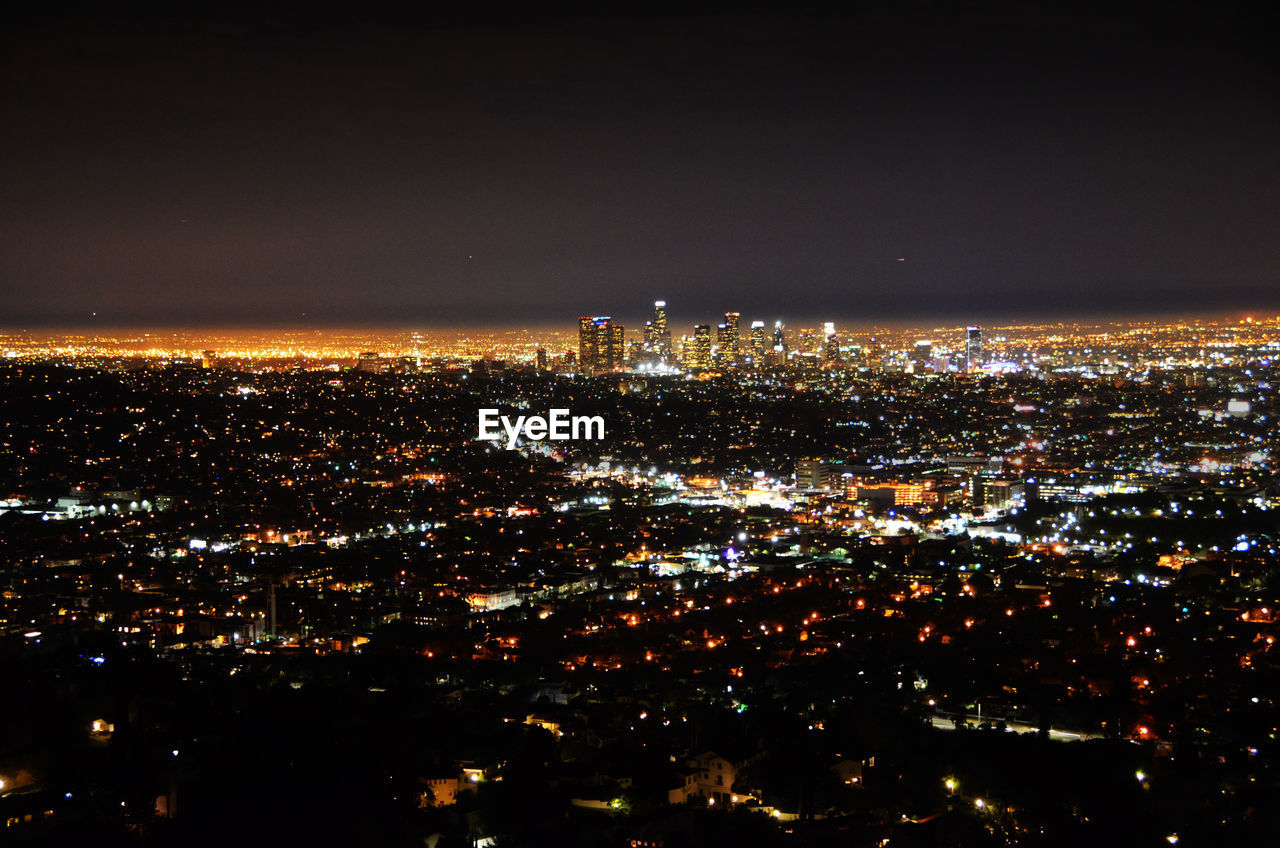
point(973, 349)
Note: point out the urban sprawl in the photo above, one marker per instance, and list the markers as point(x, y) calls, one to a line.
point(998, 585)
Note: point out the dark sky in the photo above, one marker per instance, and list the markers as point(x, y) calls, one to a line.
point(319, 167)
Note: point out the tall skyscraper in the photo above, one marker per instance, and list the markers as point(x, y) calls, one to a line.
point(830, 343)
point(600, 345)
point(540, 359)
point(661, 332)
point(875, 353)
point(922, 355)
point(615, 348)
point(731, 339)
point(726, 349)
point(587, 346)
point(757, 343)
point(778, 350)
point(973, 349)
point(698, 354)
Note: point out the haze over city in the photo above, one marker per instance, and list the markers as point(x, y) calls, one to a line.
point(881, 162)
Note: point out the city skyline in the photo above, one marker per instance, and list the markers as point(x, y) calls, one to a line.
point(860, 589)
point(644, 425)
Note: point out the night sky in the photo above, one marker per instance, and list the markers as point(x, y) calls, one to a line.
point(886, 163)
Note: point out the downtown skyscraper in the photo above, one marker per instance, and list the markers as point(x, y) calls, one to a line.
point(698, 351)
point(973, 349)
point(657, 336)
point(600, 345)
point(729, 340)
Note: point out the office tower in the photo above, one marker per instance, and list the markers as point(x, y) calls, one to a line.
point(731, 343)
point(600, 345)
point(650, 337)
point(779, 338)
point(587, 344)
point(615, 348)
point(726, 345)
point(540, 359)
point(830, 343)
point(778, 350)
point(973, 349)
point(757, 343)
point(922, 355)
point(209, 359)
point(417, 351)
point(698, 353)
point(874, 351)
point(662, 333)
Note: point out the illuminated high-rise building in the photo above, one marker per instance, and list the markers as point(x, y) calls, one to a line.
point(600, 345)
point(874, 352)
point(757, 343)
point(209, 359)
point(731, 339)
point(658, 339)
point(922, 355)
point(830, 343)
point(778, 350)
point(587, 344)
point(698, 351)
point(973, 349)
point(726, 349)
point(540, 359)
point(615, 348)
